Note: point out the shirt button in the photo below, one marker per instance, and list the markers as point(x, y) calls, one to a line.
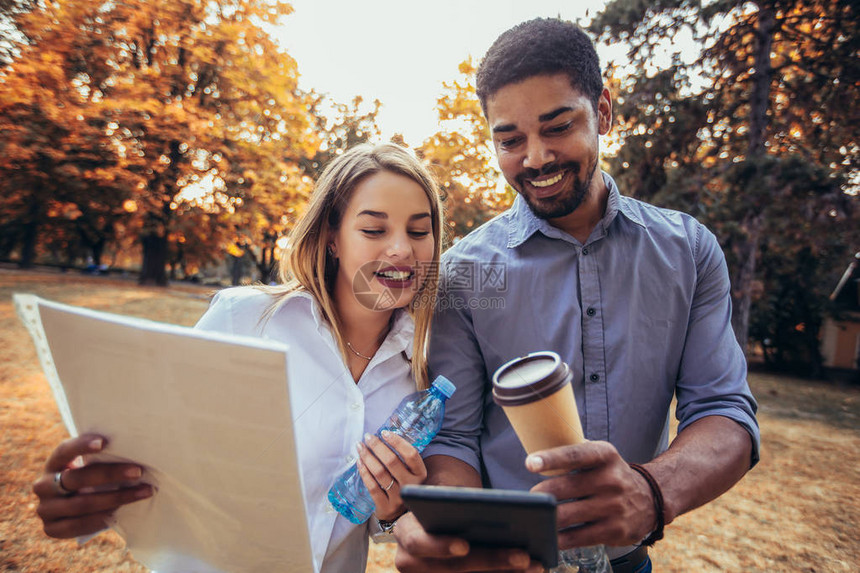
point(585, 251)
point(590, 312)
point(350, 459)
point(356, 406)
point(594, 377)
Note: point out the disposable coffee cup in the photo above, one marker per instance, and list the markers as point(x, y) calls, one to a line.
point(536, 394)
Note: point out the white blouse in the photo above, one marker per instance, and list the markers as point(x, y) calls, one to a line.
point(331, 413)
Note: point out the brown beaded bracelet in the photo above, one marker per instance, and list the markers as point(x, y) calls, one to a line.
point(657, 534)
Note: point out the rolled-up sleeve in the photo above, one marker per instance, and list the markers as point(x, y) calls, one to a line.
point(712, 380)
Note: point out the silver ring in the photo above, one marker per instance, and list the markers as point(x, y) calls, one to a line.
point(58, 485)
point(389, 485)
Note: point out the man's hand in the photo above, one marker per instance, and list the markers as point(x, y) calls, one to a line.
point(419, 552)
point(609, 503)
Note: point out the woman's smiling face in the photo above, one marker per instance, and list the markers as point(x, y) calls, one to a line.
point(385, 242)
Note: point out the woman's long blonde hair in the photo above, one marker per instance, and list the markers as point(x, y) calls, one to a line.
point(307, 265)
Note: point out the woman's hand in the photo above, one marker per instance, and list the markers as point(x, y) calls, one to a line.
point(77, 498)
point(384, 472)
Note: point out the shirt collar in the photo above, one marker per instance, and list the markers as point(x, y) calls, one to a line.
point(402, 333)
point(523, 223)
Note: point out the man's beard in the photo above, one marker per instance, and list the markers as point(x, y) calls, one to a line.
point(563, 203)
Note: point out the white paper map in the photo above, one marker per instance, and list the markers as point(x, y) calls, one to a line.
point(206, 414)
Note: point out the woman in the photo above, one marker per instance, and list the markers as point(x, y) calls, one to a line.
point(359, 281)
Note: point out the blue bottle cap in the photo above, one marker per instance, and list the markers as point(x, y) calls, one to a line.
point(445, 386)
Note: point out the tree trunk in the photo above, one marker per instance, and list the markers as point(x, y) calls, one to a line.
point(759, 101)
point(812, 339)
point(98, 248)
point(760, 96)
point(236, 270)
point(154, 236)
point(70, 256)
point(766, 354)
point(93, 238)
point(28, 245)
point(745, 250)
point(30, 235)
point(266, 266)
point(152, 270)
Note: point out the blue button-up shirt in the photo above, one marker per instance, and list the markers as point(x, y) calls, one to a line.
point(641, 313)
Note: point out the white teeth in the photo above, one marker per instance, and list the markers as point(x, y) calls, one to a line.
point(548, 182)
point(395, 275)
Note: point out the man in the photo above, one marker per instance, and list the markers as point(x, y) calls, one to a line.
point(634, 298)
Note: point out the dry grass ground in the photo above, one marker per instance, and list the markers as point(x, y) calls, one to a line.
point(796, 511)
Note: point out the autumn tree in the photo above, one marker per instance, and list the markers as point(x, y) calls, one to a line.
point(188, 92)
point(10, 11)
point(808, 238)
point(262, 221)
point(758, 122)
point(56, 162)
point(339, 126)
point(461, 156)
point(268, 196)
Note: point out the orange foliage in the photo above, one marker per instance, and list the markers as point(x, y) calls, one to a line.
point(462, 157)
point(159, 116)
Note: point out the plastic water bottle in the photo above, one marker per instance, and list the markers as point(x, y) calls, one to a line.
point(583, 560)
point(417, 419)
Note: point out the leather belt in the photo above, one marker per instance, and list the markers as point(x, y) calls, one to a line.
point(628, 563)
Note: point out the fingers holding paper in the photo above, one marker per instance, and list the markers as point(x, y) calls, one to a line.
point(385, 467)
point(76, 497)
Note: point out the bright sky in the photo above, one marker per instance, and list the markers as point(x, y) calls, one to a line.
point(401, 52)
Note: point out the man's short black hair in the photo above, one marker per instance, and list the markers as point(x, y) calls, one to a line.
point(542, 46)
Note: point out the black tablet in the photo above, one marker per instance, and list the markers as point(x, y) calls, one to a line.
point(488, 517)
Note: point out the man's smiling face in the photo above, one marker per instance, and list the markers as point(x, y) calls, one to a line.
point(546, 136)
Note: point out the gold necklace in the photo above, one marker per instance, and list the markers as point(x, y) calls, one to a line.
point(382, 336)
point(357, 353)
